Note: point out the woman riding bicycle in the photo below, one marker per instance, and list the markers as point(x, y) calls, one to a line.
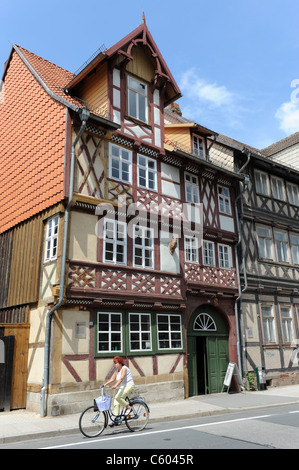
point(124, 378)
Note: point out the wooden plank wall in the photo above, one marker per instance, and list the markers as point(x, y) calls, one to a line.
point(6, 240)
point(21, 251)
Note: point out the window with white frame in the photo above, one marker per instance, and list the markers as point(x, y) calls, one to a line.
point(51, 238)
point(169, 331)
point(261, 183)
point(225, 256)
point(278, 188)
point(268, 321)
point(224, 199)
point(143, 247)
point(295, 248)
point(147, 172)
point(264, 235)
point(208, 250)
point(140, 331)
point(137, 99)
point(287, 324)
point(191, 188)
point(281, 244)
point(198, 146)
point(115, 242)
point(191, 249)
point(109, 332)
point(120, 163)
point(293, 194)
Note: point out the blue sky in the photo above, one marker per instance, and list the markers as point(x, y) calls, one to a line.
point(236, 61)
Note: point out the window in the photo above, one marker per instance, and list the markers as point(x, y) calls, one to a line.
point(204, 322)
point(198, 146)
point(147, 173)
point(277, 188)
point(120, 163)
point(137, 99)
point(287, 324)
point(295, 248)
point(224, 200)
point(208, 253)
point(293, 194)
point(140, 331)
point(225, 256)
point(261, 182)
point(115, 242)
point(51, 238)
point(191, 187)
point(265, 242)
point(169, 331)
point(109, 332)
point(268, 324)
point(143, 250)
point(191, 249)
point(281, 243)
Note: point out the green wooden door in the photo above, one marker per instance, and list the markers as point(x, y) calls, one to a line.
point(207, 349)
point(192, 366)
point(217, 360)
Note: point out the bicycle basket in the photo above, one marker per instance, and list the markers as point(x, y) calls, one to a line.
point(103, 403)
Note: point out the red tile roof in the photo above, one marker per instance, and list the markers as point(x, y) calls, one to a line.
point(32, 139)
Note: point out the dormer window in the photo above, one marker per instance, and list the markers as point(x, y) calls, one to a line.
point(198, 146)
point(137, 100)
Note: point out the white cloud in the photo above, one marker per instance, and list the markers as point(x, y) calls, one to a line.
point(209, 93)
point(288, 115)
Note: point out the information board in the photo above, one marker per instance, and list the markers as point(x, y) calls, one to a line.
point(231, 370)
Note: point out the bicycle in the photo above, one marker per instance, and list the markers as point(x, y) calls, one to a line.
point(93, 421)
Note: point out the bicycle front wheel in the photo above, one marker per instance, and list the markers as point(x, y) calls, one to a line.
point(92, 423)
point(139, 416)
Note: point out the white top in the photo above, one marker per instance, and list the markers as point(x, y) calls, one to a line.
point(128, 379)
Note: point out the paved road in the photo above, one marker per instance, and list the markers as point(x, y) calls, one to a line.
point(268, 428)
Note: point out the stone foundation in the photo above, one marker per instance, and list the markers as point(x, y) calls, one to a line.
point(280, 379)
point(76, 402)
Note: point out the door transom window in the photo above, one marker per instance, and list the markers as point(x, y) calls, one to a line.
point(204, 322)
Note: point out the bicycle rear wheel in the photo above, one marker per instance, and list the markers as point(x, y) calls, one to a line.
point(139, 416)
point(92, 423)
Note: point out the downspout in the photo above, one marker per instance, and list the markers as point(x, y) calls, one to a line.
point(84, 115)
point(240, 291)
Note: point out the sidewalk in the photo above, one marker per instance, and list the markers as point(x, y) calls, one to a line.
point(22, 425)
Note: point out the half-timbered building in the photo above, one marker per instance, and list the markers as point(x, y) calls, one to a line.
point(118, 231)
point(269, 272)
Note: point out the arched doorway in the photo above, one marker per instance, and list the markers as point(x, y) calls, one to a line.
point(208, 356)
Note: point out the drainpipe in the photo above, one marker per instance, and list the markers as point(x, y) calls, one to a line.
point(84, 115)
point(240, 291)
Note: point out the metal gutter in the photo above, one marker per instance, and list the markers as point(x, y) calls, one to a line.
point(239, 318)
point(84, 115)
point(209, 164)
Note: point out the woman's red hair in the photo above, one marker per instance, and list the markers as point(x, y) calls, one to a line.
point(118, 359)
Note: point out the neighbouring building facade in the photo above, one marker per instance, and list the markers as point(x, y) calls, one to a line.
point(269, 262)
point(129, 230)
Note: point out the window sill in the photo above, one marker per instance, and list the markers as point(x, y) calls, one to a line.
point(137, 121)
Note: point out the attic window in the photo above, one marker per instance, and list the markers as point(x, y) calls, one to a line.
point(137, 100)
point(198, 146)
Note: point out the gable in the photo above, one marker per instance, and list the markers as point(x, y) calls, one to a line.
point(32, 142)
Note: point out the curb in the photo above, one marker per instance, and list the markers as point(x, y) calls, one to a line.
point(57, 432)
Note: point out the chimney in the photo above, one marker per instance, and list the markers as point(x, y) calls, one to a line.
point(175, 108)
